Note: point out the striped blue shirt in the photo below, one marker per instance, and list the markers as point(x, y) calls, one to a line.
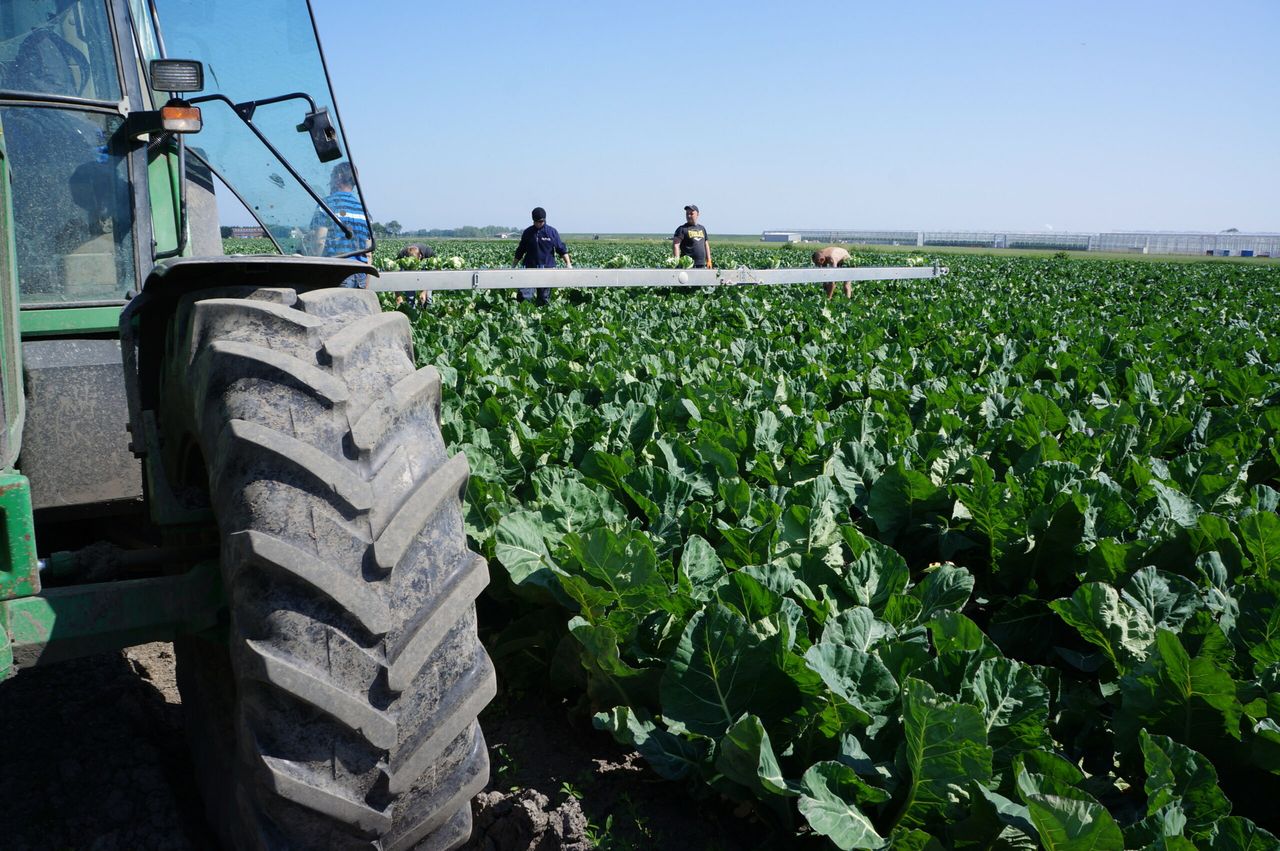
point(347, 206)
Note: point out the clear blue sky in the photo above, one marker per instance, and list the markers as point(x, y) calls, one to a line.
point(932, 114)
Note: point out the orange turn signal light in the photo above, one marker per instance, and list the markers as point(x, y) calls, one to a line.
point(181, 119)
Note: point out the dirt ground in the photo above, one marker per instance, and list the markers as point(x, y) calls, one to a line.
point(94, 757)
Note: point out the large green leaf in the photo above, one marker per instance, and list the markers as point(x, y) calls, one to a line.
point(672, 757)
point(723, 669)
point(700, 565)
point(858, 678)
point(1066, 816)
point(766, 433)
point(828, 801)
point(609, 470)
point(611, 680)
point(1259, 623)
point(944, 588)
point(1264, 750)
point(1070, 824)
point(637, 424)
point(570, 505)
point(748, 595)
point(1260, 532)
point(1102, 618)
point(716, 457)
point(994, 823)
point(1159, 830)
point(901, 497)
point(1240, 834)
point(522, 550)
point(960, 647)
point(681, 461)
point(953, 633)
point(946, 751)
point(810, 517)
point(615, 576)
point(661, 496)
point(854, 467)
point(875, 573)
point(1180, 776)
point(855, 627)
point(1179, 695)
point(746, 756)
point(1015, 708)
point(1175, 506)
point(991, 506)
point(1167, 599)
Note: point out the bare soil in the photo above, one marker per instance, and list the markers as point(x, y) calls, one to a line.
point(94, 757)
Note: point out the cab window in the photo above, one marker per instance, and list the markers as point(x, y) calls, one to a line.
point(72, 206)
point(58, 47)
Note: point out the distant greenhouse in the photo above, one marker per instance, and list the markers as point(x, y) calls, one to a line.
point(1051, 240)
point(1226, 244)
point(1230, 244)
point(962, 239)
point(855, 237)
point(1047, 241)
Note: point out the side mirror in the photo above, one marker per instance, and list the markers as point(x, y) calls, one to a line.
point(177, 75)
point(323, 137)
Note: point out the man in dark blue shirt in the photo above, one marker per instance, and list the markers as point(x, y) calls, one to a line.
point(539, 245)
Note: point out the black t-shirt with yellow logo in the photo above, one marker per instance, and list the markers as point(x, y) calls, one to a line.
point(693, 242)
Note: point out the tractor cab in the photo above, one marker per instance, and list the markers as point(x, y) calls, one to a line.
point(96, 194)
point(105, 188)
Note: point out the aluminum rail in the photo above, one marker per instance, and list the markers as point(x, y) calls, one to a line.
point(508, 279)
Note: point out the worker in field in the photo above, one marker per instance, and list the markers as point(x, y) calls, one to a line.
point(327, 238)
point(416, 251)
point(539, 245)
point(690, 239)
point(830, 258)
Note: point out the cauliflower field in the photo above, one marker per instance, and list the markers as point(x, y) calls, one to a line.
point(991, 561)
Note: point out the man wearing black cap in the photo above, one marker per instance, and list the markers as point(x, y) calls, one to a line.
point(539, 245)
point(691, 239)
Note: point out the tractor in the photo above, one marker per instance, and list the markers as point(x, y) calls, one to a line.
point(233, 453)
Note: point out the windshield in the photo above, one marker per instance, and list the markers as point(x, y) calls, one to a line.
point(256, 50)
point(58, 47)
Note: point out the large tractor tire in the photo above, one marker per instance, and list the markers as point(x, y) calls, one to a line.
point(340, 711)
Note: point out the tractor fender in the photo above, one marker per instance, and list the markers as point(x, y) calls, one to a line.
point(143, 329)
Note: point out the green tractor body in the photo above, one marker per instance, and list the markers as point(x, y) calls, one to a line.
point(233, 453)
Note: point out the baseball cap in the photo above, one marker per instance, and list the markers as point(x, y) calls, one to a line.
point(539, 214)
point(693, 207)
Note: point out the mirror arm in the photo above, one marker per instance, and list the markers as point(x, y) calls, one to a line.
point(182, 200)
